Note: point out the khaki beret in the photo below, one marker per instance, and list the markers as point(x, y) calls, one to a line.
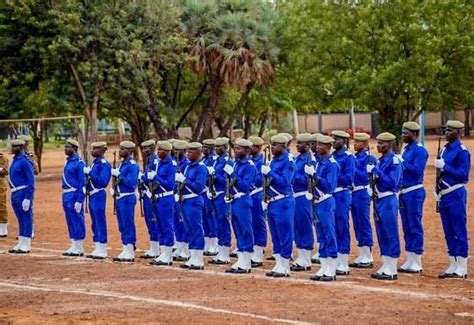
point(412, 126)
point(256, 141)
point(243, 143)
point(303, 137)
point(194, 145)
point(180, 144)
point(127, 145)
point(209, 142)
point(453, 124)
point(23, 137)
point(17, 142)
point(340, 134)
point(325, 139)
point(172, 140)
point(386, 136)
point(314, 136)
point(148, 143)
point(164, 145)
point(99, 144)
point(361, 137)
point(288, 136)
point(221, 141)
point(279, 139)
point(73, 142)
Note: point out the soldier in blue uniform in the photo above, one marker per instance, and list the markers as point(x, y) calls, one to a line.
point(388, 173)
point(210, 214)
point(221, 207)
point(303, 216)
point(125, 192)
point(454, 165)
point(191, 185)
point(361, 199)
point(258, 216)
point(22, 186)
point(317, 157)
point(97, 178)
point(324, 184)
point(280, 205)
point(148, 200)
point(412, 196)
point(242, 180)
point(181, 253)
point(342, 196)
point(73, 185)
point(163, 184)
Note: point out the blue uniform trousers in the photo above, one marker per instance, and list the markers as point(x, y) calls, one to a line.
point(411, 212)
point(343, 234)
point(164, 208)
point(151, 225)
point(126, 219)
point(76, 223)
point(304, 238)
point(192, 212)
point(97, 204)
point(387, 226)
point(453, 216)
point(360, 208)
point(25, 218)
point(209, 220)
point(242, 223)
point(223, 224)
point(258, 221)
point(281, 216)
point(326, 228)
point(178, 224)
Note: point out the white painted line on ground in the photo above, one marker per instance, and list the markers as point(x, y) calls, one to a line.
point(172, 303)
point(465, 314)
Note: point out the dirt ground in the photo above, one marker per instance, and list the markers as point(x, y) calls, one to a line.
point(44, 287)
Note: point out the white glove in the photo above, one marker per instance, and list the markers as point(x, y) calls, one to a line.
point(140, 175)
point(25, 205)
point(228, 200)
point(370, 192)
point(137, 195)
point(112, 192)
point(264, 206)
point(209, 195)
point(78, 207)
point(437, 197)
point(228, 169)
point(400, 158)
point(179, 178)
point(265, 169)
point(115, 172)
point(87, 170)
point(176, 198)
point(211, 170)
point(309, 196)
point(309, 169)
point(370, 168)
point(148, 194)
point(151, 175)
point(439, 163)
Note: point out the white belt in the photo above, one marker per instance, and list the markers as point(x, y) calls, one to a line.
point(189, 196)
point(298, 194)
point(14, 189)
point(95, 191)
point(69, 190)
point(360, 187)
point(411, 188)
point(450, 189)
point(122, 195)
point(322, 198)
point(339, 189)
point(158, 196)
point(277, 197)
point(257, 190)
point(385, 194)
point(238, 195)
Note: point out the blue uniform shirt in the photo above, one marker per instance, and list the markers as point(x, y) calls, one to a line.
point(181, 165)
point(389, 174)
point(362, 159)
point(99, 174)
point(128, 178)
point(210, 159)
point(282, 174)
point(458, 164)
point(165, 175)
point(300, 181)
point(244, 174)
point(327, 170)
point(346, 161)
point(221, 176)
point(258, 162)
point(74, 176)
point(21, 173)
point(414, 157)
point(196, 177)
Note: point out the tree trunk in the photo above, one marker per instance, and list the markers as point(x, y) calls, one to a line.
point(46, 132)
point(37, 133)
point(247, 124)
point(237, 110)
point(263, 124)
point(467, 121)
point(152, 111)
point(208, 120)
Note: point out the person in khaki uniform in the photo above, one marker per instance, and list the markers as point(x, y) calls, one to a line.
point(29, 155)
point(3, 195)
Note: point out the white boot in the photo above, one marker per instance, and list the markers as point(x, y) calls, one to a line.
point(154, 250)
point(416, 265)
point(222, 256)
point(129, 253)
point(70, 249)
point(95, 251)
point(322, 269)
point(25, 245)
point(198, 261)
point(213, 247)
point(100, 252)
point(307, 258)
point(79, 247)
point(384, 265)
point(392, 266)
point(343, 264)
point(408, 263)
point(17, 246)
point(359, 257)
point(315, 258)
point(282, 267)
point(3, 230)
point(165, 258)
point(461, 268)
point(257, 255)
point(122, 253)
point(191, 258)
point(367, 257)
point(331, 268)
point(300, 259)
point(238, 264)
point(207, 243)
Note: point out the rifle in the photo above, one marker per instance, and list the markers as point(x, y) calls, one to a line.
point(88, 180)
point(228, 185)
point(372, 182)
point(140, 191)
point(179, 186)
point(115, 183)
point(266, 180)
point(212, 190)
point(438, 175)
point(311, 188)
point(152, 187)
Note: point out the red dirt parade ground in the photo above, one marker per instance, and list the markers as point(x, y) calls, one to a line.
point(45, 287)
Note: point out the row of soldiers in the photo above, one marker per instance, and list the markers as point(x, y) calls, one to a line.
point(193, 195)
